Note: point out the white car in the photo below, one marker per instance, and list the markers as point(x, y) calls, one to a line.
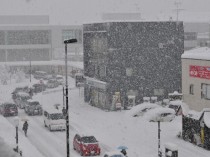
point(60, 79)
point(141, 109)
point(114, 154)
point(54, 119)
point(160, 114)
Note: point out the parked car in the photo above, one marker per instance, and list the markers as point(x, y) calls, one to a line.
point(40, 74)
point(113, 154)
point(86, 145)
point(8, 109)
point(160, 114)
point(79, 79)
point(175, 104)
point(21, 99)
point(52, 83)
point(39, 87)
point(33, 107)
point(19, 89)
point(141, 109)
point(60, 79)
point(54, 119)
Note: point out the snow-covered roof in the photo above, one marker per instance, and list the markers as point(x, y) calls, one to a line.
point(201, 53)
point(175, 93)
point(207, 119)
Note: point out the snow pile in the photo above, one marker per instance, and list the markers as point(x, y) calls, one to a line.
point(6, 151)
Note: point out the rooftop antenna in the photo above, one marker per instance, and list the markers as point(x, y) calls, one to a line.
point(178, 9)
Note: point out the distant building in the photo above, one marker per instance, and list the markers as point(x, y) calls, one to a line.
point(196, 78)
point(196, 34)
point(126, 61)
point(24, 38)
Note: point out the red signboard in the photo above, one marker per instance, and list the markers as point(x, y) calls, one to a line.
point(200, 71)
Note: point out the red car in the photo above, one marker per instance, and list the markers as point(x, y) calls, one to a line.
point(86, 145)
point(8, 109)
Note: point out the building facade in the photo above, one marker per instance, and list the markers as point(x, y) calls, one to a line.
point(24, 38)
point(126, 61)
point(196, 78)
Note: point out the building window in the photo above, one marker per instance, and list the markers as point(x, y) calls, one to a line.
point(205, 91)
point(102, 71)
point(192, 89)
point(129, 71)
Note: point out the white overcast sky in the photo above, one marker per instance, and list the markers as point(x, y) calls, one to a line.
point(80, 11)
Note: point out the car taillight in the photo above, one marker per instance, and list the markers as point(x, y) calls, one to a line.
point(84, 147)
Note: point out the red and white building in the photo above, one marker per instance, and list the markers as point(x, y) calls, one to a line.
point(196, 78)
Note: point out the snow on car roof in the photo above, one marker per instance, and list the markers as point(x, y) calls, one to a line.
point(134, 110)
point(32, 100)
point(157, 111)
point(23, 94)
point(171, 146)
point(53, 110)
point(114, 153)
point(176, 102)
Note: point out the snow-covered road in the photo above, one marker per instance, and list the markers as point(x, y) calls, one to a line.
point(110, 128)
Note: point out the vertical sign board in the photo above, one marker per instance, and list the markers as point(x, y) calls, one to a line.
point(200, 71)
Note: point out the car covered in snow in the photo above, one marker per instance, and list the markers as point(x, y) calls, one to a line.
point(86, 145)
point(160, 114)
point(113, 154)
point(141, 109)
point(60, 79)
point(54, 119)
point(175, 104)
point(8, 109)
point(33, 107)
point(21, 99)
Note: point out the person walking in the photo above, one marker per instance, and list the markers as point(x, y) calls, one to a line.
point(25, 127)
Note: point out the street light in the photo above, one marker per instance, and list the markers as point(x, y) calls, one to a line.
point(16, 121)
point(69, 41)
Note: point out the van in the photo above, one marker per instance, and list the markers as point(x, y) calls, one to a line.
point(54, 119)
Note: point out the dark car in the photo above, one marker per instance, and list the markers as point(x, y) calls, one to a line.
point(52, 83)
point(8, 109)
point(39, 87)
point(86, 145)
point(33, 107)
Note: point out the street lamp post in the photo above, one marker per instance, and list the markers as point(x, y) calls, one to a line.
point(30, 66)
point(66, 42)
point(16, 120)
point(159, 151)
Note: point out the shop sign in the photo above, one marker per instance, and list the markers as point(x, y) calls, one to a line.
point(200, 71)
